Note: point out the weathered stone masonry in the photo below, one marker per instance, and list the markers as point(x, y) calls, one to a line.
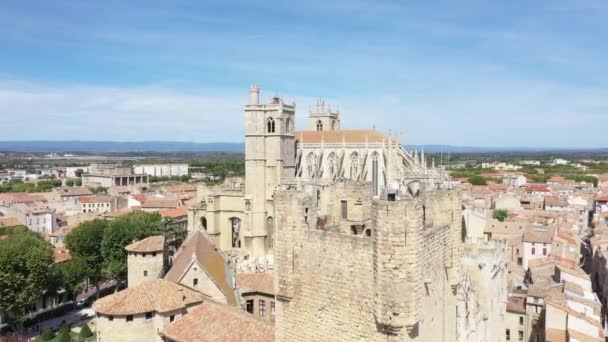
point(396, 285)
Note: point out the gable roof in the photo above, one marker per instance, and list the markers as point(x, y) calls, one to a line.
point(214, 322)
point(154, 295)
point(199, 248)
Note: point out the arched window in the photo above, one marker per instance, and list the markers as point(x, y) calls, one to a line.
point(333, 125)
point(319, 125)
point(270, 125)
point(235, 225)
point(375, 173)
point(204, 222)
point(288, 125)
point(270, 232)
point(354, 165)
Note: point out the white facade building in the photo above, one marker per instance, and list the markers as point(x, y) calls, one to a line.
point(161, 170)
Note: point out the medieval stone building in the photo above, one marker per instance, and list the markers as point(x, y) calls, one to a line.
point(275, 155)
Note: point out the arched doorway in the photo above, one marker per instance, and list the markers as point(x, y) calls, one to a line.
point(235, 225)
point(204, 223)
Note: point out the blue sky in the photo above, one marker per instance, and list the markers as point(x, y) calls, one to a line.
point(480, 73)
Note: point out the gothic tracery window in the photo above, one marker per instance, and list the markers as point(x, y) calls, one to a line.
point(319, 125)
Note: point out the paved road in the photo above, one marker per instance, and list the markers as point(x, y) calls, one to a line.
point(72, 317)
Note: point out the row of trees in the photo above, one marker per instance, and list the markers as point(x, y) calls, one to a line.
point(156, 179)
point(26, 272)
point(20, 186)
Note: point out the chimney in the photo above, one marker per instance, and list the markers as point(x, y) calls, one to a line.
point(254, 95)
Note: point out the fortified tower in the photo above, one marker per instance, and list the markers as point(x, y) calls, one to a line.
point(324, 119)
point(269, 162)
point(389, 275)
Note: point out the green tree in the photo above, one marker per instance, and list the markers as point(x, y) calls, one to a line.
point(64, 337)
point(47, 334)
point(69, 182)
point(64, 328)
point(85, 243)
point(174, 234)
point(121, 232)
point(98, 190)
point(71, 275)
point(85, 332)
point(500, 214)
point(477, 180)
point(25, 269)
point(78, 172)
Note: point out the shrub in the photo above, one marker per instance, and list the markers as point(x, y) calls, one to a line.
point(500, 214)
point(65, 337)
point(85, 331)
point(47, 334)
point(64, 329)
point(477, 180)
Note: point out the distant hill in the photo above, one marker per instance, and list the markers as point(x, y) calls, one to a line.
point(176, 146)
point(117, 146)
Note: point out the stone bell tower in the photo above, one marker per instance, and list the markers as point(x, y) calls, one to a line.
point(323, 119)
point(269, 161)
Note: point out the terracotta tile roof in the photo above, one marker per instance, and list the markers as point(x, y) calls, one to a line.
point(139, 197)
point(149, 244)
point(334, 137)
point(256, 282)
point(537, 188)
point(154, 295)
point(603, 198)
point(61, 255)
point(199, 248)
point(68, 191)
point(557, 179)
point(534, 235)
point(95, 199)
point(172, 213)
point(160, 203)
point(21, 197)
point(213, 322)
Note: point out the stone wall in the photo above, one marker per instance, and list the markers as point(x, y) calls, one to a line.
point(397, 284)
point(144, 266)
